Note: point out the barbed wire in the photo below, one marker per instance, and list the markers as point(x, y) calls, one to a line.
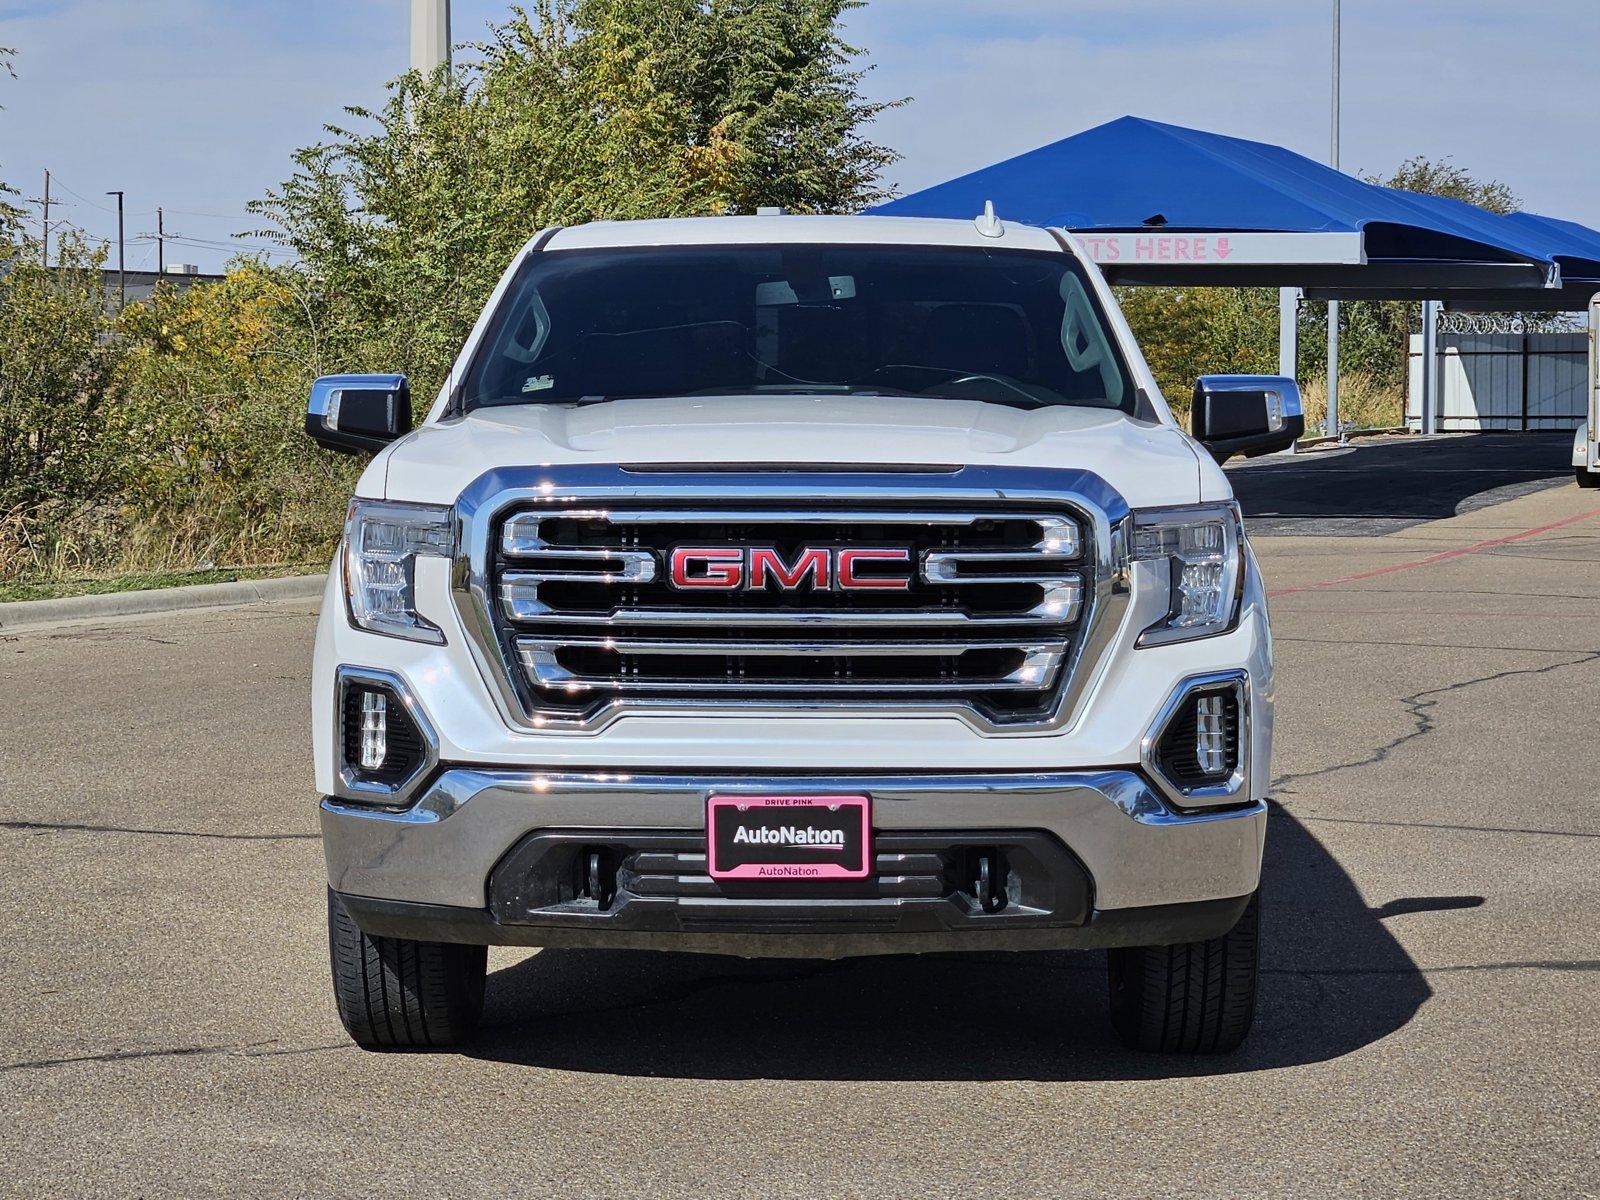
point(1488, 324)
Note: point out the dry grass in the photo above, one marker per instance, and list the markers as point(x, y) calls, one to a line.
point(1363, 403)
point(83, 549)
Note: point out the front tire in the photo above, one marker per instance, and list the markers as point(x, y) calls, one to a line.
point(1586, 477)
point(398, 994)
point(1191, 998)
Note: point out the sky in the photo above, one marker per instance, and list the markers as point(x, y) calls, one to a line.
point(197, 105)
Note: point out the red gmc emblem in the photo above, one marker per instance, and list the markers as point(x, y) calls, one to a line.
point(756, 568)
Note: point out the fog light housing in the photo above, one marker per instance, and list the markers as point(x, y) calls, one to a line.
point(1198, 747)
point(385, 743)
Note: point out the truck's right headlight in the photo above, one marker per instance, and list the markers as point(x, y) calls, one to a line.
point(1199, 550)
point(382, 540)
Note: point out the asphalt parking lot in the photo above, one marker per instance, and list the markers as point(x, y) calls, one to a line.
point(1430, 1010)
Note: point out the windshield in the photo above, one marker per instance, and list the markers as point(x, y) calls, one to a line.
point(1008, 327)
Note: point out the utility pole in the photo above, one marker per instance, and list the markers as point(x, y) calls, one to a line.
point(430, 35)
point(161, 243)
point(122, 257)
point(1333, 305)
point(44, 231)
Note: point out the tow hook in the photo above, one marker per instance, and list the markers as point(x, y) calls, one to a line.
point(599, 877)
point(989, 885)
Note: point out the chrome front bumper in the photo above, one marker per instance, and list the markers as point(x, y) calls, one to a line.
point(436, 856)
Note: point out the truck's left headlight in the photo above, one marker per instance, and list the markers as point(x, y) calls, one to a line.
point(1199, 550)
point(382, 541)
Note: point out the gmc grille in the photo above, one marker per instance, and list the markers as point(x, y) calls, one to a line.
point(587, 617)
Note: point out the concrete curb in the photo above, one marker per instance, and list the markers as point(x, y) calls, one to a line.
point(18, 614)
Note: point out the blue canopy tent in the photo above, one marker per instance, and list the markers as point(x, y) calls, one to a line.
point(1162, 204)
point(1166, 205)
point(1574, 248)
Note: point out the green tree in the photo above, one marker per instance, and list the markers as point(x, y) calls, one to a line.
point(1441, 177)
point(10, 214)
point(213, 465)
point(58, 375)
point(574, 110)
point(1189, 332)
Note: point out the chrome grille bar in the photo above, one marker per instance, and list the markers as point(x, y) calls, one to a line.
point(634, 566)
point(1036, 673)
point(624, 645)
point(519, 601)
point(523, 527)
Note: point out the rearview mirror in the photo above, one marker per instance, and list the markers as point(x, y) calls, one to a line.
point(358, 414)
point(1246, 414)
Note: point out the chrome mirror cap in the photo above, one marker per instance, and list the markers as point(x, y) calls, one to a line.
point(358, 414)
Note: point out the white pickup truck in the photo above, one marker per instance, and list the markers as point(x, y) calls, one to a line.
point(796, 586)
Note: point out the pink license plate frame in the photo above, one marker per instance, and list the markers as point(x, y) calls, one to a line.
point(790, 859)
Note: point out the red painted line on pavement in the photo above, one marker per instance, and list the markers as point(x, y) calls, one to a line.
point(1442, 556)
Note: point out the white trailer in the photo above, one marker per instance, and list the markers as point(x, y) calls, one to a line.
point(1586, 443)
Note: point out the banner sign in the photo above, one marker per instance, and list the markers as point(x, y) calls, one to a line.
point(1230, 249)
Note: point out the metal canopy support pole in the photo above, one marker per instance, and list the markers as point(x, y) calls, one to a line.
point(1289, 336)
point(1428, 401)
point(1333, 305)
point(1289, 332)
point(1333, 368)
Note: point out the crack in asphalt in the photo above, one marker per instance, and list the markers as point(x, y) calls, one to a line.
point(1532, 964)
point(65, 827)
point(1418, 706)
point(248, 1050)
point(1566, 833)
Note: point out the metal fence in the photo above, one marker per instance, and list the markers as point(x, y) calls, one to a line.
point(1505, 381)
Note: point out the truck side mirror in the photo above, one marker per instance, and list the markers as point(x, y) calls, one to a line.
point(358, 414)
point(1246, 414)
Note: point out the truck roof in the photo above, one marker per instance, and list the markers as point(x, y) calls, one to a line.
point(767, 230)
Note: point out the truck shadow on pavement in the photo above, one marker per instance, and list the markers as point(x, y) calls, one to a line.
point(1334, 979)
point(1386, 486)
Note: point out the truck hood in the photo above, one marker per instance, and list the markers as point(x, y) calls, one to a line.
point(1149, 464)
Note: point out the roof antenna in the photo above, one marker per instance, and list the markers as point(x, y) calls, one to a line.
point(988, 224)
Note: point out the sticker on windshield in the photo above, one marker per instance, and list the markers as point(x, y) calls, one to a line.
point(539, 383)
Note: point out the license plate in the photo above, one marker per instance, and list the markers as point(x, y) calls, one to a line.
point(789, 837)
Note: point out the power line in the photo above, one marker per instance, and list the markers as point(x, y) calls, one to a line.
point(102, 207)
point(223, 244)
point(193, 212)
point(51, 201)
point(249, 247)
